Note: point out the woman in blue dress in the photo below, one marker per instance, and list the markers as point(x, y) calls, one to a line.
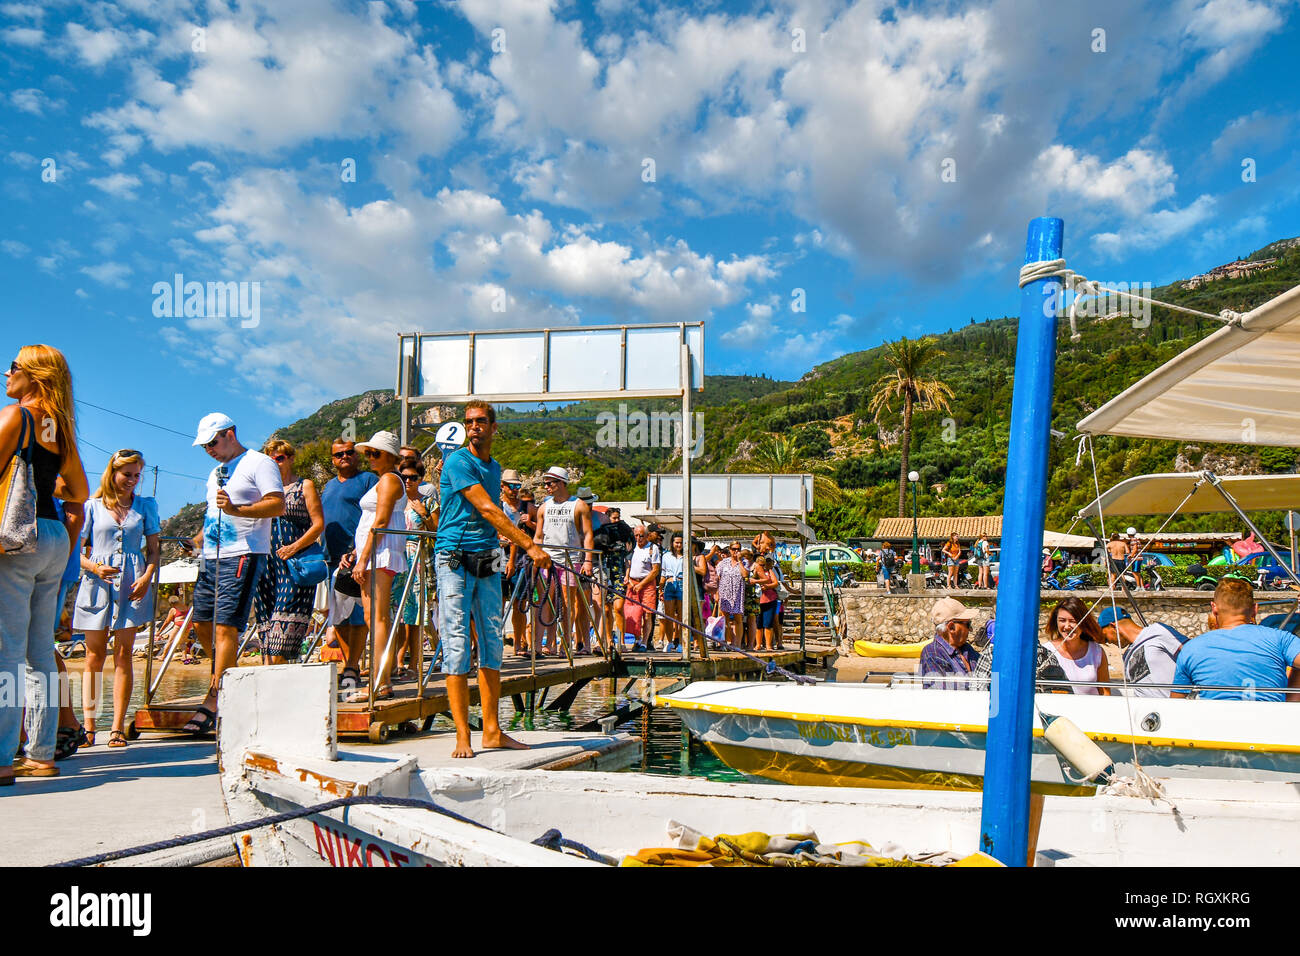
point(116, 595)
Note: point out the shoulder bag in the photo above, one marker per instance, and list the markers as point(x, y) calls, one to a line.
point(307, 568)
point(18, 494)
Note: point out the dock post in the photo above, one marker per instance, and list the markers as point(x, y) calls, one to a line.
point(688, 442)
point(1004, 825)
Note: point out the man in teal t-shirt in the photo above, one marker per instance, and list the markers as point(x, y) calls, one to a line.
point(469, 562)
point(1239, 653)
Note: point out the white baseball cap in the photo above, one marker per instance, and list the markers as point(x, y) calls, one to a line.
point(558, 473)
point(210, 425)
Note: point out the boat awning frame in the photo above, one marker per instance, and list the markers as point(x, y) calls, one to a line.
point(1161, 494)
point(1236, 386)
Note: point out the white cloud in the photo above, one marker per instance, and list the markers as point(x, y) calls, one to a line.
point(33, 101)
point(97, 47)
point(23, 11)
point(14, 248)
point(109, 273)
point(24, 36)
point(122, 185)
point(1133, 183)
point(292, 75)
point(359, 273)
point(1155, 229)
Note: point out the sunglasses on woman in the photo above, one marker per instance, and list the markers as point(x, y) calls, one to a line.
point(280, 457)
point(410, 477)
point(372, 454)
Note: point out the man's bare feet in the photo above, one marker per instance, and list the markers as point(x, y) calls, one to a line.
point(500, 741)
point(463, 748)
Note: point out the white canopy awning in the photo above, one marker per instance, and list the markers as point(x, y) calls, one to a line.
point(1161, 494)
point(723, 523)
point(1239, 385)
point(1055, 539)
point(179, 572)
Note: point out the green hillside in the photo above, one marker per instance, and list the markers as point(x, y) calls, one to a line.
point(960, 455)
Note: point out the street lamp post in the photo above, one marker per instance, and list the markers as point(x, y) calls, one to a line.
point(913, 477)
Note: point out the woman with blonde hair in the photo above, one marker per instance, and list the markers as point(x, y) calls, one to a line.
point(118, 567)
point(284, 608)
point(40, 429)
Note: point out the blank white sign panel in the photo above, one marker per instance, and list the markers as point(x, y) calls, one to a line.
point(586, 361)
point(444, 366)
point(508, 363)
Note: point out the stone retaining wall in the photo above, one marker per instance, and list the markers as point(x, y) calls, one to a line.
point(905, 618)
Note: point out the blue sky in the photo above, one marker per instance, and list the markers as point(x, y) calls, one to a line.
point(883, 159)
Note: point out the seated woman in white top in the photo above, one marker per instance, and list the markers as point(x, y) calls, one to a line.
point(1076, 640)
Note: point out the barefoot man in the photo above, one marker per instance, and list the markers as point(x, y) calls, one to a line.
point(469, 563)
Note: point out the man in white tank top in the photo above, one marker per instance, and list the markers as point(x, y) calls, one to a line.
point(564, 531)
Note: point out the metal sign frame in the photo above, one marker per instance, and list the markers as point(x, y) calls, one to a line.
point(411, 346)
point(689, 362)
point(657, 485)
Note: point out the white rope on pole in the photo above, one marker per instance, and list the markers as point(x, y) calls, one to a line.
point(1082, 286)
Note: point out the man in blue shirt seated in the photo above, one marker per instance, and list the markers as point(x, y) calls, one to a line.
point(1239, 653)
point(949, 654)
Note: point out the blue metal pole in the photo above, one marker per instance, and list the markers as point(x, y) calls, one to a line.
point(1004, 826)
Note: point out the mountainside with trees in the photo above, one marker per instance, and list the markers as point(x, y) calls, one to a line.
point(938, 405)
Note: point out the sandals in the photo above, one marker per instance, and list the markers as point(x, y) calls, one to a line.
point(69, 739)
point(25, 769)
point(116, 740)
point(199, 726)
point(349, 679)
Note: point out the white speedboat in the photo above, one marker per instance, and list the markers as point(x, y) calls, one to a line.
point(875, 735)
point(278, 754)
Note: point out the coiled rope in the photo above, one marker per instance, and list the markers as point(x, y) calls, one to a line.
point(551, 839)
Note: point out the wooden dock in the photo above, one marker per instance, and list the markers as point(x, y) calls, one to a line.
point(377, 722)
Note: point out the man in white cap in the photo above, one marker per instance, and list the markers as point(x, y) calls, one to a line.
point(564, 531)
point(244, 493)
point(949, 655)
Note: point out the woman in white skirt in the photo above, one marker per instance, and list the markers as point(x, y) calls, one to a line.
point(116, 595)
point(381, 507)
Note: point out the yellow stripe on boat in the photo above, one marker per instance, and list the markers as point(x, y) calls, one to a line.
point(876, 649)
point(722, 709)
point(801, 770)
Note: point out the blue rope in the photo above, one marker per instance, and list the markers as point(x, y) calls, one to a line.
point(769, 667)
point(554, 841)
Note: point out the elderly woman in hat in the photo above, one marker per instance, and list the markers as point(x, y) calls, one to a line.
point(381, 508)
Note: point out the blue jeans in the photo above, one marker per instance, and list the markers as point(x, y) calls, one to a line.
point(462, 596)
point(29, 585)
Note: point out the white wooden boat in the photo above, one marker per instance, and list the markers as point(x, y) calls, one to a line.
point(278, 752)
point(874, 735)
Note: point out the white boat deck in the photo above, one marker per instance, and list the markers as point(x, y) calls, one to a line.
point(157, 789)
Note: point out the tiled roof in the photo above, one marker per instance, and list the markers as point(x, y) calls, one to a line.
point(970, 528)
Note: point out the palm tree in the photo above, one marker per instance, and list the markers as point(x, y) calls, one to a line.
point(907, 382)
point(777, 455)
